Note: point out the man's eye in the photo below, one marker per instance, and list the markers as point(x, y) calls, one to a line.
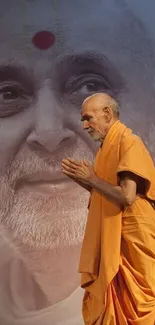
point(85, 85)
point(9, 94)
point(13, 100)
point(90, 87)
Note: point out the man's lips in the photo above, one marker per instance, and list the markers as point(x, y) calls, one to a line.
point(48, 177)
point(47, 182)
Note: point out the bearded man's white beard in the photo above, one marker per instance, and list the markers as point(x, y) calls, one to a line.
point(44, 222)
point(49, 220)
point(46, 234)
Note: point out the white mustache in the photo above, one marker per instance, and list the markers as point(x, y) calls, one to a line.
point(32, 166)
point(90, 130)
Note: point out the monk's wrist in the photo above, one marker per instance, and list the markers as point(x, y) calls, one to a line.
point(94, 180)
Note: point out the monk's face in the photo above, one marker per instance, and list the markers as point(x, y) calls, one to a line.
point(41, 92)
point(94, 116)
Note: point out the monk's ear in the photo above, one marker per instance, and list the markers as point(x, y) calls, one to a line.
point(107, 114)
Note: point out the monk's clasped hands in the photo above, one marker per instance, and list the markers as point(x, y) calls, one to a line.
point(79, 170)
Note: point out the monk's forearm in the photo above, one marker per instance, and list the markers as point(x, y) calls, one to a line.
point(112, 193)
point(85, 186)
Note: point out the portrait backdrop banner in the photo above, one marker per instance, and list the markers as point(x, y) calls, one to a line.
point(53, 55)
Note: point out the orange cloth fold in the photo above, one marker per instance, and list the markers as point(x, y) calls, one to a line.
point(118, 253)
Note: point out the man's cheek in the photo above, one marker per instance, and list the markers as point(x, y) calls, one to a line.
point(12, 138)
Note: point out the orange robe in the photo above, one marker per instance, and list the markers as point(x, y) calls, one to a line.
point(118, 253)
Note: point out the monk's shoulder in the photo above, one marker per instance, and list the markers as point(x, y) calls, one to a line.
point(131, 137)
point(137, 138)
point(139, 142)
point(129, 140)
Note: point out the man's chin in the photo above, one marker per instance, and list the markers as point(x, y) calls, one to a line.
point(50, 221)
point(96, 138)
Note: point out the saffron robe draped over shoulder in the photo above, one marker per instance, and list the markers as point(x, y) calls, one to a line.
point(118, 253)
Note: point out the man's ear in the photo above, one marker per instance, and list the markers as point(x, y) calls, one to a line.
point(107, 114)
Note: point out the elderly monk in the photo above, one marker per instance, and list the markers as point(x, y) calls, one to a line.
point(118, 254)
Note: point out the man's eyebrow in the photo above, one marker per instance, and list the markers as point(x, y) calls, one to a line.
point(15, 73)
point(85, 117)
point(89, 63)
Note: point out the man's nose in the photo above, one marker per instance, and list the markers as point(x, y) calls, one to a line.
point(50, 128)
point(85, 125)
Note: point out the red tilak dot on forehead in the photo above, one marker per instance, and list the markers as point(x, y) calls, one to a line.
point(43, 40)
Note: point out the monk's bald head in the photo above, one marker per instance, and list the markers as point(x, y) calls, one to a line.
point(98, 113)
point(100, 100)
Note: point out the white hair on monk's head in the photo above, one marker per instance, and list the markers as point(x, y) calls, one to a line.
point(112, 102)
point(88, 98)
